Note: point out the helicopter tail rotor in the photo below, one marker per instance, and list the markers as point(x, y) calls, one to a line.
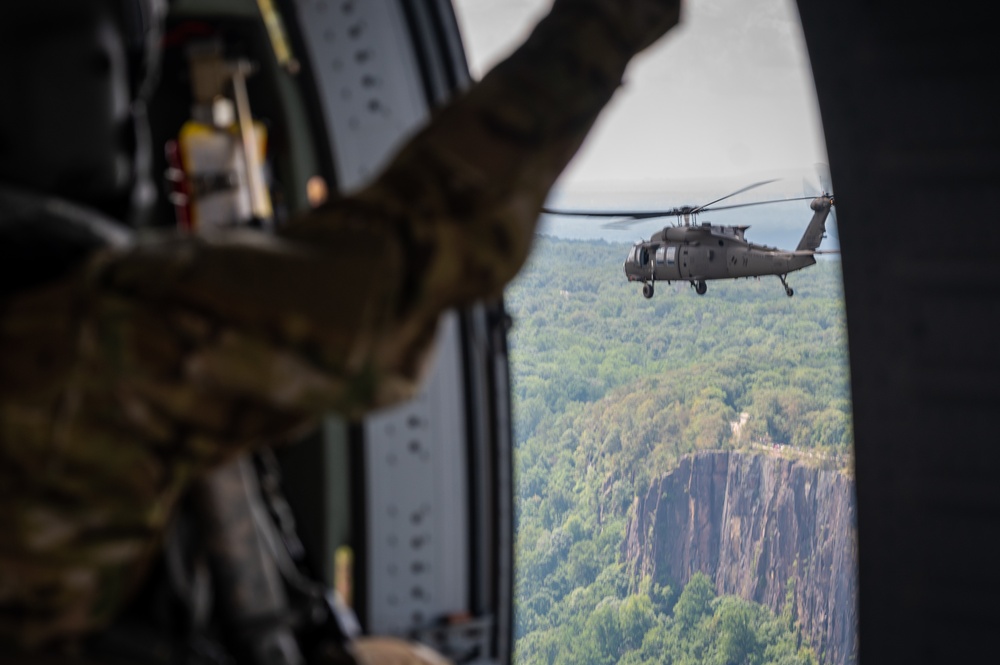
point(824, 189)
point(823, 172)
point(820, 185)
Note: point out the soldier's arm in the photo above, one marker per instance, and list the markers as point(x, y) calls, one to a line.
point(356, 287)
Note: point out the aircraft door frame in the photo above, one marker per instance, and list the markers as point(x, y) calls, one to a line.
point(432, 516)
point(666, 263)
point(683, 262)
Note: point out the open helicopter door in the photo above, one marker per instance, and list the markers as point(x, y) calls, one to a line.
point(419, 498)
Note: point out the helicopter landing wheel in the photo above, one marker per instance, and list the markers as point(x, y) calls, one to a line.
point(700, 287)
point(647, 289)
point(788, 290)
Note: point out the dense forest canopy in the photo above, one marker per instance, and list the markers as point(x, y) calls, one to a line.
point(610, 390)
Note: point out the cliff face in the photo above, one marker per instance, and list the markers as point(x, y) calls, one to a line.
point(752, 522)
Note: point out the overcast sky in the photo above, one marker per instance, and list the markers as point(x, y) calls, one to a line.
point(726, 96)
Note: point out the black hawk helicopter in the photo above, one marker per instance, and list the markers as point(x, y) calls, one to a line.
point(693, 252)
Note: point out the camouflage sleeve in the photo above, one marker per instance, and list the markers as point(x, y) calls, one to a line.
point(338, 313)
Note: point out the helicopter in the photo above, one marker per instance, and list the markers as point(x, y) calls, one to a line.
point(696, 253)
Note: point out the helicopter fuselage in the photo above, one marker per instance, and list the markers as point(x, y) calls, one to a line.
point(713, 258)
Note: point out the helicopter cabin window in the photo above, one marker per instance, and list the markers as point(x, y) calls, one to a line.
point(666, 255)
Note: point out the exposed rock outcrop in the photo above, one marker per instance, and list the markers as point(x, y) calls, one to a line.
point(752, 522)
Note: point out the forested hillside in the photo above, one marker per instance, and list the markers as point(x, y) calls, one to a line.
point(610, 391)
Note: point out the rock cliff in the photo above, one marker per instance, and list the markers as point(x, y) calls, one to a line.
point(751, 522)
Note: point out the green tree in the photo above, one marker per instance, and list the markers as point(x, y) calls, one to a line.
point(695, 601)
point(635, 618)
point(736, 642)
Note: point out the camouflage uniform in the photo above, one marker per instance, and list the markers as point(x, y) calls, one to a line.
point(157, 360)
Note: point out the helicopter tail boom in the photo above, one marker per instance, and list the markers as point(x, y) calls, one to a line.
point(813, 235)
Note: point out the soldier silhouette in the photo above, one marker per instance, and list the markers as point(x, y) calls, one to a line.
point(132, 365)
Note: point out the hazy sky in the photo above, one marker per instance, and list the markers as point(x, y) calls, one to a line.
point(727, 95)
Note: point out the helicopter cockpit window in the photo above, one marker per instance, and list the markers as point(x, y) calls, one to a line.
point(643, 256)
point(631, 255)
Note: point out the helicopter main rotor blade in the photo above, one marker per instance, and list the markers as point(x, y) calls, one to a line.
point(756, 203)
point(738, 191)
point(637, 214)
point(622, 224)
point(628, 217)
point(813, 252)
